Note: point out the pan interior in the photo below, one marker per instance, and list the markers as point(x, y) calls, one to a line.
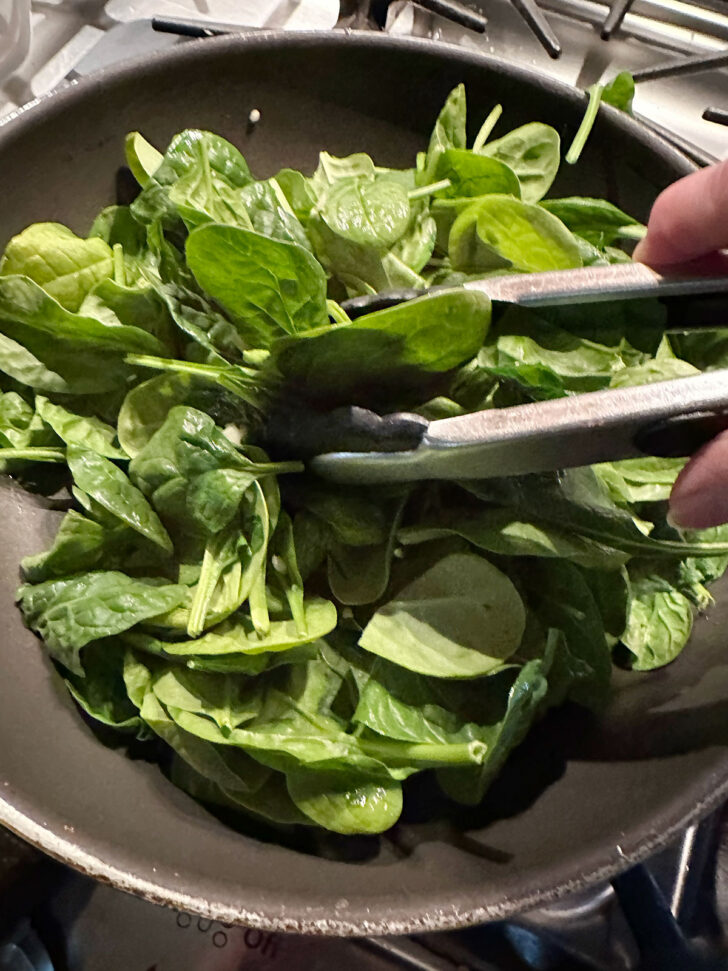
point(581, 797)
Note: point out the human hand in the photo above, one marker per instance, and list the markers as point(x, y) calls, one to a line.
point(689, 221)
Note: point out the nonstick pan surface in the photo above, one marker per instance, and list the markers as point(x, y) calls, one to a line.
point(581, 799)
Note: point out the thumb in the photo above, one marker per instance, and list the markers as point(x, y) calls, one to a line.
point(688, 220)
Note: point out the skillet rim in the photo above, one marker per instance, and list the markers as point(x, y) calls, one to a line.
point(26, 821)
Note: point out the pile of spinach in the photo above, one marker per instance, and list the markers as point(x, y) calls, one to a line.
point(299, 649)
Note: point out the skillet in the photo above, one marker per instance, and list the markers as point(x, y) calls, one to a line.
point(583, 798)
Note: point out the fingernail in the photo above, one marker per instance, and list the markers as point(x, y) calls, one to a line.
point(673, 520)
point(640, 251)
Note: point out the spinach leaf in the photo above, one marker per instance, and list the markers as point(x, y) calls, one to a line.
point(470, 174)
point(267, 286)
point(142, 158)
point(232, 770)
point(461, 619)
point(331, 169)
point(66, 266)
point(227, 700)
point(415, 248)
point(563, 600)
point(270, 213)
point(620, 92)
point(648, 479)
point(78, 546)
point(146, 406)
point(505, 533)
point(595, 220)
point(369, 213)
point(211, 166)
point(524, 703)
point(449, 132)
point(298, 192)
point(578, 500)
point(70, 613)
point(501, 231)
point(360, 574)
point(138, 305)
point(109, 486)
point(27, 310)
point(659, 623)
point(242, 638)
point(101, 692)
point(348, 804)
point(533, 153)
point(89, 433)
point(385, 350)
point(270, 801)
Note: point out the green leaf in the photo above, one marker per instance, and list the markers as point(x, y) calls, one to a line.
point(146, 407)
point(226, 699)
point(360, 574)
point(137, 306)
point(142, 158)
point(189, 152)
point(90, 433)
point(27, 310)
point(645, 479)
point(267, 286)
point(563, 600)
point(110, 487)
point(500, 231)
point(659, 623)
point(367, 213)
point(503, 532)
point(620, 92)
point(331, 169)
point(387, 350)
point(577, 499)
point(346, 804)
point(101, 692)
point(270, 801)
point(270, 214)
point(471, 174)
point(78, 546)
point(66, 266)
point(449, 132)
point(241, 638)
point(461, 619)
point(525, 700)
point(596, 220)
point(70, 613)
point(533, 152)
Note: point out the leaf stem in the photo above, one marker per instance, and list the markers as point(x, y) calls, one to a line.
point(427, 190)
point(587, 123)
point(487, 127)
point(635, 231)
point(119, 274)
point(34, 454)
point(337, 312)
point(460, 753)
point(241, 381)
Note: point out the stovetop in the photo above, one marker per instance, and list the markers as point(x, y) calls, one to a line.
point(670, 914)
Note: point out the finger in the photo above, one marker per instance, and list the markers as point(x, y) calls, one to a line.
point(688, 220)
point(700, 495)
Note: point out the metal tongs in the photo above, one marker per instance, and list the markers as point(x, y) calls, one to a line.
point(669, 418)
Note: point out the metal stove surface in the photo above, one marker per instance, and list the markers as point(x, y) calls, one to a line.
point(655, 31)
point(668, 915)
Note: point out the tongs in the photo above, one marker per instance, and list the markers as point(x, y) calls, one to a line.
point(668, 418)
